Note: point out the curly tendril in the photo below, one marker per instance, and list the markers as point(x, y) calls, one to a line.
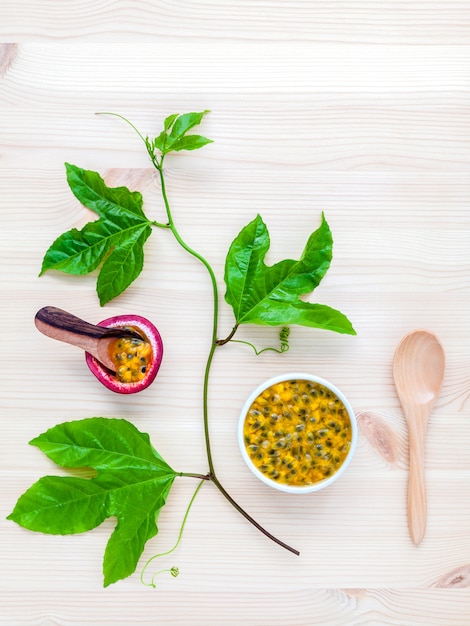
point(283, 336)
point(174, 571)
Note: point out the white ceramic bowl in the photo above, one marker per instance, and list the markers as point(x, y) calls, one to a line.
point(292, 488)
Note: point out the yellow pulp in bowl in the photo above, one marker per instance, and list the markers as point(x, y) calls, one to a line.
point(297, 432)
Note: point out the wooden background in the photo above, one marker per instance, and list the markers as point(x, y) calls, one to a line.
point(358, 109)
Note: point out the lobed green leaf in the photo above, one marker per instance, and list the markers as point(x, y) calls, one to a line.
point(270, 295)
point(116, 239)
point(132, 483)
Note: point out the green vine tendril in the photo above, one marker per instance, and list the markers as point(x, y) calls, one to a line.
point(283, 336)
point(174, 571)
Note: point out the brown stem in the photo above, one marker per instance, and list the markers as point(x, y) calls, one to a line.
point(221, 342)
point(200, 476)
point(216, 482)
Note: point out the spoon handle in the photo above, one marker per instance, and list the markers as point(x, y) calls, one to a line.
point(95, 340)
point(56, 323)
point(64, 326)
point(417, 506)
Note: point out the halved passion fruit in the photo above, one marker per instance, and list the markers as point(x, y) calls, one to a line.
point(137, 360)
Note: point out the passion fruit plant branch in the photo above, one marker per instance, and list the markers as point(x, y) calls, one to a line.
point(174, 138)
point(214, 344)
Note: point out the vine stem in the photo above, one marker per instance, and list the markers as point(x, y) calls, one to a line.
point(215, 314)
point(235, 504)
point(158, 164)
point(214, 344)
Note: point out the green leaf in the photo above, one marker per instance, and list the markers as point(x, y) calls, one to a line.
point(173, 137)
point(91, 190)
point(269, 295)
point(122, 267)
point(185, 122)
point(116, 238)
point(190, 142)
point(132, 483)
point(169, 121)
point(159, 143)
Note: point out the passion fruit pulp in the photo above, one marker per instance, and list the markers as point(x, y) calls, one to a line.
point(137, 362)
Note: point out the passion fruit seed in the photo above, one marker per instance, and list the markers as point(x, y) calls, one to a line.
point(298, 432)
point(131, 357)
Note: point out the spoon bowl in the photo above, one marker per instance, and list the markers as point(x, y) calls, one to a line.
point(418, 372)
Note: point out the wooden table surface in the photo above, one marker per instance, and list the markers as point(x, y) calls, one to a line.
point(357, 109)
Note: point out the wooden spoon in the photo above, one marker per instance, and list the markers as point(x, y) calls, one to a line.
point(66, 327)
point(418, 371)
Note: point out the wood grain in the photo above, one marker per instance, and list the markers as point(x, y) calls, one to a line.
point(423, 22)
point(357, 109)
